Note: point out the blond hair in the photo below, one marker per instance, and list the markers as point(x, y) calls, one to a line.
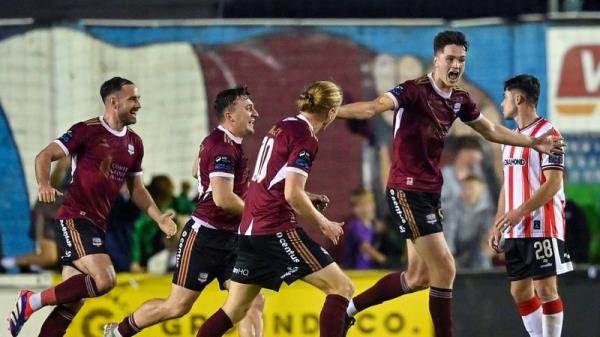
point(320, 97)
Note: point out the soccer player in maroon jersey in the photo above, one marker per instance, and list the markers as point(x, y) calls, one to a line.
point(207, 248)
point(531, 214)
point(105, 153)
point(273, 249)
point(425, 109)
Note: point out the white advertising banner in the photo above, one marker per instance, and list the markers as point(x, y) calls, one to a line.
point(574, 78)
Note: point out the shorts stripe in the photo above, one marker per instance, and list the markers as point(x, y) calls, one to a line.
point(185, 258)
point(409, 216)
point(75, 237)
point(303, 250)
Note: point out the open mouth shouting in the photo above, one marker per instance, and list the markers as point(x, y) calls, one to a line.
point(453, 75)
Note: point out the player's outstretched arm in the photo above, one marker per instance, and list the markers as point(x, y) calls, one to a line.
point(367, 109)
point(141, 197)
point(224, 197)
point(546, 143)
point(43, 162)
point(302, 205)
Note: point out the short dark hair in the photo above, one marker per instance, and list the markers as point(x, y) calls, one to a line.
point(227, 97)
point(113, 85)
point(447, 37)
point(528, 84)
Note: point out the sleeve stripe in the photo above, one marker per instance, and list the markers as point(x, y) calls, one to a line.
point(221, 174)
point(296, 170)
point(62, 146)
point(136, 173)
point(553, 167)
point(390, 95)
point(476, 119)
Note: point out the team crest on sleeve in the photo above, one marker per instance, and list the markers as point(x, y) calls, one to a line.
point(557, 160)
point(130, 149)
point(397, 90)
point(304, 159)
point(223, 163)
point(66, 137)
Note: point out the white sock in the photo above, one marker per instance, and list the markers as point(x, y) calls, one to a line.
point(533, 323)
point(351, 310)
point(35, 301)
point(552, 318)
point(553, 324)
point(8, 262)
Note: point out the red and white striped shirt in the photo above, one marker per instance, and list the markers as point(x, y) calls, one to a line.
point(523, 175)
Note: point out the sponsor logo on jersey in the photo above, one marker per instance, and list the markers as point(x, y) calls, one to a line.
point(130, 149)
point(515, 162)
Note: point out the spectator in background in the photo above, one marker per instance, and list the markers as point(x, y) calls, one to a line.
point(361, 235)
point(146, 239)
point(467, 162)
point(182, 203)
point(119, 230)
point(578, 235)
point(42, 229)
point(475, 218)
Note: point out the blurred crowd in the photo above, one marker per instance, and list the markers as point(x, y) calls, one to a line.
point(371, 240)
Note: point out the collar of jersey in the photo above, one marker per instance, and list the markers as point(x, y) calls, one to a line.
point(301, 116)
point(228, 133)
point(438, 90)
point(120, 133)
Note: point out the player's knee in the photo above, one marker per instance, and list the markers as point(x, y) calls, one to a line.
point(547, 292)
point(344, 287)
point(418, 280)
point(104, 283)
point(446, 267)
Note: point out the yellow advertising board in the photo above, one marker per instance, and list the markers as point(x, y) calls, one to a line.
point(293, 312)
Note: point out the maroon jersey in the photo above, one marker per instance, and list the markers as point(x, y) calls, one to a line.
point(221, 155)
point(101, 160)
point(290, 146)
point(423, 116)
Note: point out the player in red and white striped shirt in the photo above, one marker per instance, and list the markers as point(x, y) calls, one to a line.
point(531, 214)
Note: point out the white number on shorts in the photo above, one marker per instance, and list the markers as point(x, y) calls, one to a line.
point(264, 154)
point(543, 249)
